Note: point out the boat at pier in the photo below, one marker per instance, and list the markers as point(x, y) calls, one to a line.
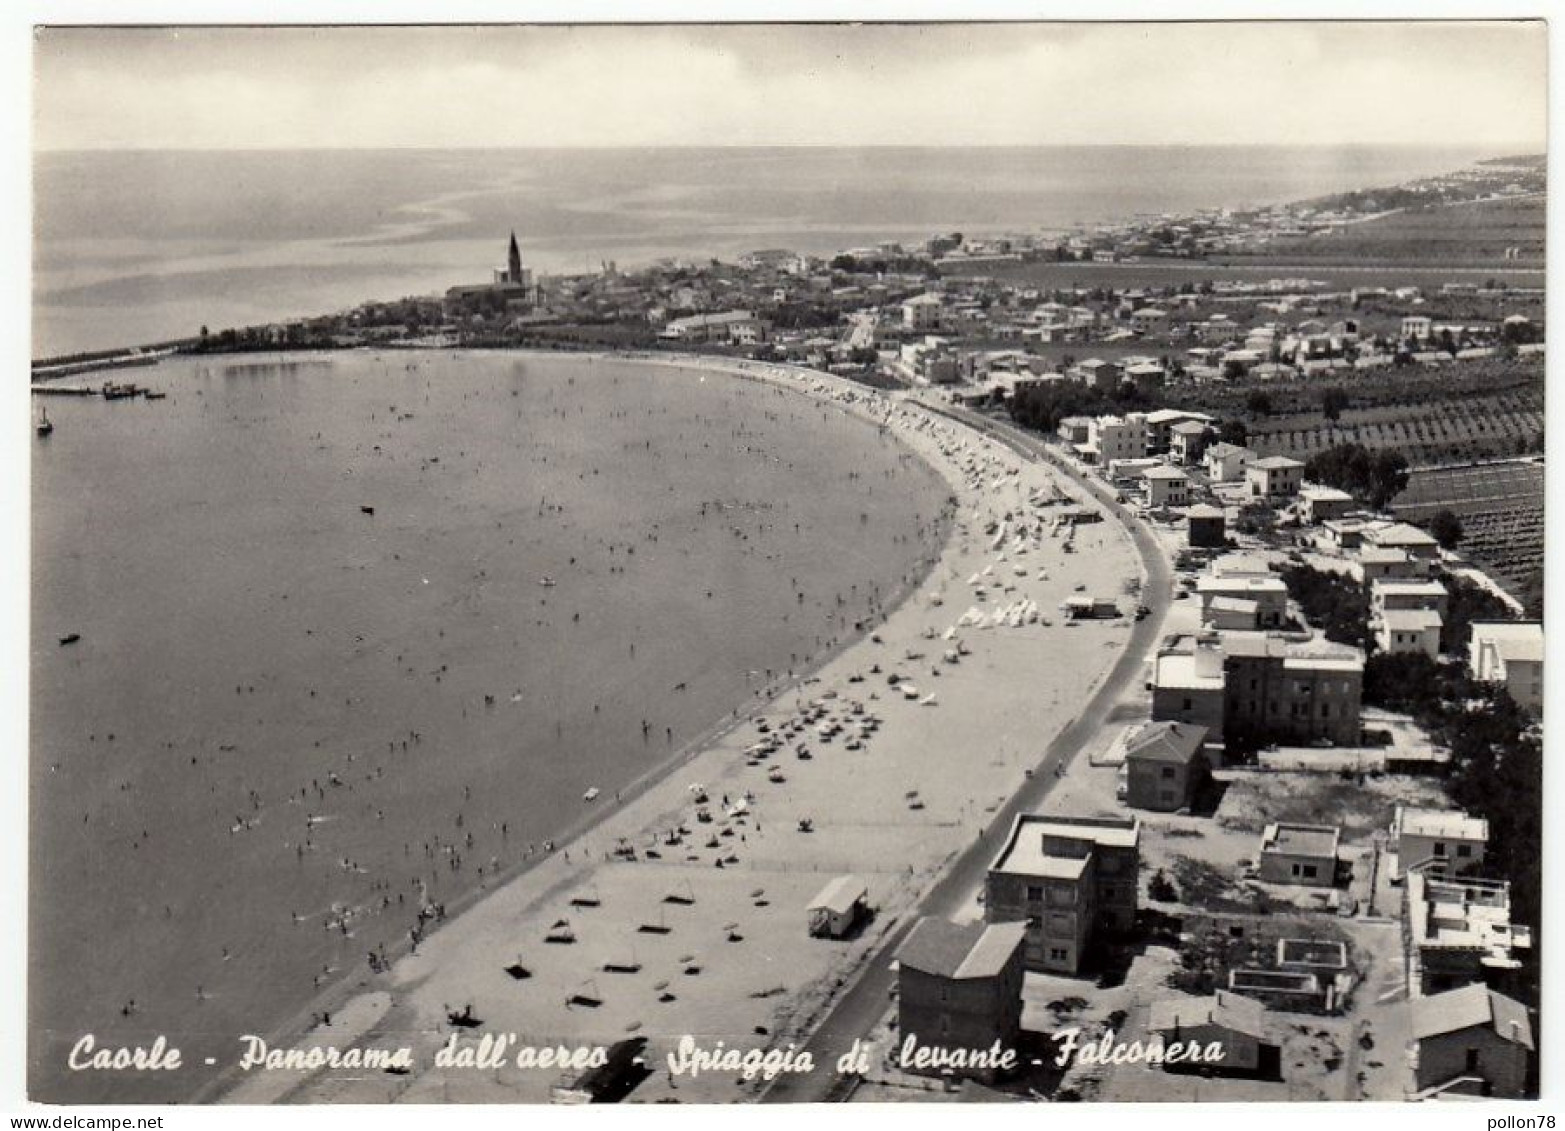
point(46, 426)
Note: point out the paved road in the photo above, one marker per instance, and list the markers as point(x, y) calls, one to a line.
point(856, 1011)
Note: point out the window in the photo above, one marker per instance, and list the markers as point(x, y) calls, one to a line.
point(1168, 773)
point(1034, 893)
point(1325, 710)
point(1058, 954)
point(1189, 703)
point(1439, 848)
point(1464, 850)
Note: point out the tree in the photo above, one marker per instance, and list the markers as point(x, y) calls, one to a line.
point(1233, 432)
point(1259, 403)
point(1446, 528)
point(1375, 477)
point(1333, 401)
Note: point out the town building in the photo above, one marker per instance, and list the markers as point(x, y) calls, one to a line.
point(1317, 504)
point(1167, 487)
point(1234, 1023)
point(1187, 441)
point(1162, 422)
point(1189, 686)
point(735, 327)
point(1112, 438)
point(1227, 463)
point(1458, 931)
point(1402, 536)
point(1300, 854)
point(1207, 528)
point(1417, 328)
point(1166, 767)
point(1471, 1041)
point(1439, 841)
point(1403, 631)
point(1296, 693)
point(1275, 478)
point(1376, 564)
point(1509, 653)
point(959, 988)
point(1071, 879)
point(1266, 597)
point(923, 314)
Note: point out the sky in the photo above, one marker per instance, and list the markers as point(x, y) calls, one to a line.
point(1436, 83)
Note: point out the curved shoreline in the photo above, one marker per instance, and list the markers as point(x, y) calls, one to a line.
point(331, 999)
point(825, 390)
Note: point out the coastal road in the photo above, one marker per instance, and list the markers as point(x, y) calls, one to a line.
point(853, 1014)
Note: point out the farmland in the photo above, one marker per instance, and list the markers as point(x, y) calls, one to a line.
point(1454, 413)
point(1442, 431)
point(1500, 506)
point(1468, 234)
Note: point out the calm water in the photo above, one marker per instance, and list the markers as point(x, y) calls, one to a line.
point(279, 706)
point(144, 246)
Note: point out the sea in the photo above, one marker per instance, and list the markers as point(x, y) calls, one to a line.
point(138, 247)
point(358, 633)
point(321, 640)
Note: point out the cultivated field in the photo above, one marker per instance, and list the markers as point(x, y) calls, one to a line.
point(1501, 508)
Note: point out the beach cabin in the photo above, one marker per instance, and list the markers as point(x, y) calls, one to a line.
point(838, 907)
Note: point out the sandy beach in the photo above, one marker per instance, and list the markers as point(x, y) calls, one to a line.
point(688, 926)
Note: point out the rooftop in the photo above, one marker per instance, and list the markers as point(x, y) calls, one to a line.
point(1024, 852)
point(1223, 1009)
point(1514, 640)
point(1453, 824)
point(1467, 1008)
point(1179, 671)
point(1411, 620)
point(1301, 840)
point(1167, 742)
point(1276, 463)
point(840, 895)
point(960, 950)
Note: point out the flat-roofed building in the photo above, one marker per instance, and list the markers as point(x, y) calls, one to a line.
point(1458, 931)
point(1441, 841)
point(1279, 690)
point(1510, 653)
point(1300, 854)
point(1269, 593)
point(1070, 879)
point(959, 989)
point(1400, 631)
point(1114, 438)
point(1187, 687)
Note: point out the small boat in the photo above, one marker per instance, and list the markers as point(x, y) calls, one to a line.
point(591, 794)
point(71, 638)
point(45, 426)
point(367, 510)
point(151, 396)
point(546, 582)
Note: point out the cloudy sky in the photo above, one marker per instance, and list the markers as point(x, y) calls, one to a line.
point(1463, 84)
